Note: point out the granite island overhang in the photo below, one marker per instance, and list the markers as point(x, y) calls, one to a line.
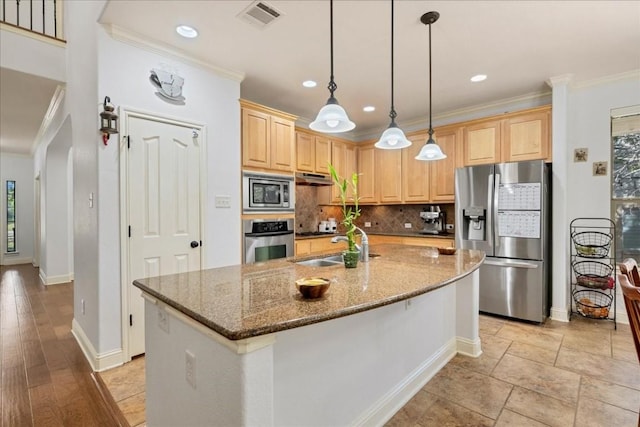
point(381, 331)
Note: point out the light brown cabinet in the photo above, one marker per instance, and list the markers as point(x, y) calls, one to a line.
point(415, 173)
point(367, 174)
point(377, 239)
point(313, 153)
point(524, 135)
point(316, 245)
point(443, 171)
point(267, 138)
point(343, 159)
point(389, 176)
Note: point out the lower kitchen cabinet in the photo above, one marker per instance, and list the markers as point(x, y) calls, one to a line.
point(437, 242)
point(317, 245)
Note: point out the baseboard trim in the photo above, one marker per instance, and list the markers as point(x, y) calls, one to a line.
point(55, 280)
point(382, 411)
point(560, 314)
point(468, 347)
point(98, 362)
point(10, 260)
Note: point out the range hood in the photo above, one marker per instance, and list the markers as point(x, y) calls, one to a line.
point(303, 178)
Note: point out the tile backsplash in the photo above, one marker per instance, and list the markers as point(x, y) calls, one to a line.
point(383, 219)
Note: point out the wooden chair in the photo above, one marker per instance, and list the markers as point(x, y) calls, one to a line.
point(632, 302)
point(629, 267)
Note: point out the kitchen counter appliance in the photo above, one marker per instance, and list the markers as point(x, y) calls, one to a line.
point(266, 239)
point(434, 221)
point(504, 210)
point(266, 192)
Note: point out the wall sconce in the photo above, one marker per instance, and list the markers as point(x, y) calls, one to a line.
point(108, 120)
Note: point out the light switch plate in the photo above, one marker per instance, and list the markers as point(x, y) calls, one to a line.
point(223, 201)
point(367, 224)
point(449, 226)
point(407, 225)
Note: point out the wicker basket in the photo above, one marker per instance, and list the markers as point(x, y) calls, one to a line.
point(593, 304)
point(593, 274)
point(592, 244)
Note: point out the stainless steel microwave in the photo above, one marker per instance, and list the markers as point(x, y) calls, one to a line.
point(266, 192)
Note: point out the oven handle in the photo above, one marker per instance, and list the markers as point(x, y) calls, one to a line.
point(273, 233)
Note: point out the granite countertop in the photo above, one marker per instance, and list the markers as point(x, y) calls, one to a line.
point(244, 301)
point(316, 235)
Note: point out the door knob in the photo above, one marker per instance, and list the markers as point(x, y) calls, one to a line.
point(194, 244)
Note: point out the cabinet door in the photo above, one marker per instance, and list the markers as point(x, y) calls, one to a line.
point(443, 171)
point(323, 244)
point(255, 139)
point(322, 154)
point(350, 165)
point(305, 152)
point(389, 175)
point(526, 137)
point(428, 241)
point(367, 174)
point(282, 144)
point(482, 143)
point(415, 173)
point(302, 247)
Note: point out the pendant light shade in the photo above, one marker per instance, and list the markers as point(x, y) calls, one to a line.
point(393, 138)
point(332, 118)
point(430, 151)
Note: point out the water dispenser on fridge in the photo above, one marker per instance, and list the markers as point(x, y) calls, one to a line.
point(474, 225)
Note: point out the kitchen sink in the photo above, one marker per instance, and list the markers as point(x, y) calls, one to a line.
point(322, 262)
point(327, 261)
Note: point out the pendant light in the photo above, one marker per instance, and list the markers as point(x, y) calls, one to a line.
point(430, 151)
point(393, 138)
point(332, 118)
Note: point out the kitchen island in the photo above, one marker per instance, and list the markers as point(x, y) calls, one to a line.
point(238, 346)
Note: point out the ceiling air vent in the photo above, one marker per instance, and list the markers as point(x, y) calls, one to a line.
point(260, 14)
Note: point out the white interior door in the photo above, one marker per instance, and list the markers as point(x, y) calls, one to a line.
point(164, 208)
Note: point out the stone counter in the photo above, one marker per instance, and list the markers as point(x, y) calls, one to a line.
point(245, 301)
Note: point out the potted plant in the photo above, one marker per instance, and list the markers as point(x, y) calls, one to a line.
point(349, 214)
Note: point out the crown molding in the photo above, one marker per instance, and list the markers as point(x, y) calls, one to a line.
point(627, 75)
point(142, 42)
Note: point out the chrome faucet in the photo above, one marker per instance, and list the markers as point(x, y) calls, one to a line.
point(364, 240)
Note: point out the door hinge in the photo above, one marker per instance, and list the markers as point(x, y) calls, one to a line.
point(131, 320)
point(128, 142)
point(200, 242)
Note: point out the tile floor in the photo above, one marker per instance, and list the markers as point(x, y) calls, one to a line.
point(582, 373)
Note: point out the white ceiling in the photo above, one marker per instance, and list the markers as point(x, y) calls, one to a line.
point(518, 44)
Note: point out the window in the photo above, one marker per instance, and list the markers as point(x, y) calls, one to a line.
point(11, 216)
point(626, 157)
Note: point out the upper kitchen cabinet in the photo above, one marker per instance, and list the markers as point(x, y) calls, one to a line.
point(313, 152)
point(343, 159)
point(527, 136)
point(268, 138)
point(443, 171)
point(512, 137)
point(367, 174)
point(389, 176)
point(481, 143)
point(415, 173)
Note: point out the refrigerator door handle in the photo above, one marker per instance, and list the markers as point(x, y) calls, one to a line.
point(494, 208)
point(511, 264)
point(489, 214)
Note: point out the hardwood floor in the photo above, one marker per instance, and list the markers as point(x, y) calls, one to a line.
point(45, 378)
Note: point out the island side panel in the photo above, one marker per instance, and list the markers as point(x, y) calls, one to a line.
point(467, 315)
point(230, 389)
point(360, 369)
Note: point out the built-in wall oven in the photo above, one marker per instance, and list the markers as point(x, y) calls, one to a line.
point(266, 192)
point(266, 239)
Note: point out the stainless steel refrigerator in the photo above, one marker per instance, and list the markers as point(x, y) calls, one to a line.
point(504, 210)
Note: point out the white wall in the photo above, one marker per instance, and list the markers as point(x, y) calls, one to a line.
point(45, 59)
point(19, 169)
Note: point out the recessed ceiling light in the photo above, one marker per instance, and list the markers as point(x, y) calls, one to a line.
point(369, 108)
point(187, 31)
point(479, 78)
point(309, 83)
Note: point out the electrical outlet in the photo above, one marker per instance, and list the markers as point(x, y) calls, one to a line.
point(367, 224)
point(223, 201)
point(190, 368)
point(449, 226)
point(407, 225)
point(163, 320)
point(82, 306)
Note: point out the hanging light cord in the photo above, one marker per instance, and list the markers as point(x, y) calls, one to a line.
point(430, 127)
point(392, 113)
point(332, 85)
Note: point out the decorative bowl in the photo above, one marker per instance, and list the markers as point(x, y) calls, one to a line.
point(446, 251)
point(312, 287)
